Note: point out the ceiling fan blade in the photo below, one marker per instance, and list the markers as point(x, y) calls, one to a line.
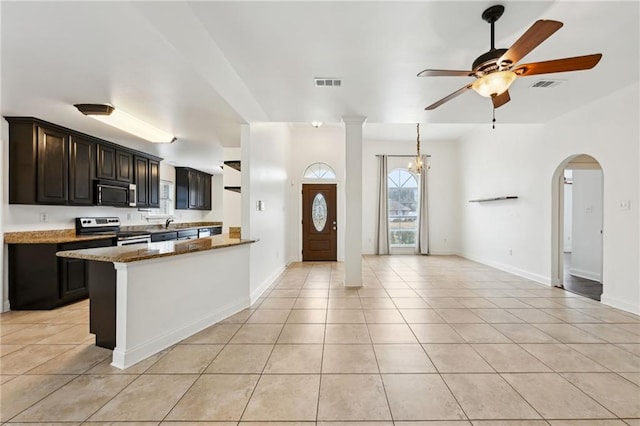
point(501, 99)
point(536, 34)
point(577, 63)
point(445, 73)
point(448, 98)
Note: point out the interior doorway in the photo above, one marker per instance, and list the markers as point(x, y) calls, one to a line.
point(580, 227)
point(319, 222)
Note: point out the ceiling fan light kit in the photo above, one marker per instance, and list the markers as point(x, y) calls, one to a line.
point(496, 69)
point(121, 120)
point(494, 84)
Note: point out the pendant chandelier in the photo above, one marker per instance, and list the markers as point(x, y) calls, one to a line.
point(417, 166)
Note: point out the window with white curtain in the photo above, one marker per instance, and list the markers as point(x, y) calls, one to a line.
point(403, 208)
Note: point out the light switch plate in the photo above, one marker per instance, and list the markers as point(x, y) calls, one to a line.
point(260, 205)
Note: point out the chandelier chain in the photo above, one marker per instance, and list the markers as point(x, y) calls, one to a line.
point(418, 163)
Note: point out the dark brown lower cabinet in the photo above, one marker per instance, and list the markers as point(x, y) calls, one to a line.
point(102, 302)
point(38, 279)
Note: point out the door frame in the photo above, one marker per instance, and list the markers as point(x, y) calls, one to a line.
point(557, 224)
point(300, 213)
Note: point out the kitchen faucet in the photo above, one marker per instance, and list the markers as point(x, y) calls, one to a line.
point(169, 220)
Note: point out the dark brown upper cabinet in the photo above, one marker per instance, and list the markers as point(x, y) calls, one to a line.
point(193, 189)
point(154, 183)
point(53, 166)
point(147, 180)
point(81, 171)
point(50, 164)
point(124, 166)
point(106, 167)
point(114, 164)
point(141, 165)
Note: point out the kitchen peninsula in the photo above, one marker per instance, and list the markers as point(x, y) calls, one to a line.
point(146, 298)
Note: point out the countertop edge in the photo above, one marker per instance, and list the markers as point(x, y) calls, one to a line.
point(128, 254)
point(68, 235)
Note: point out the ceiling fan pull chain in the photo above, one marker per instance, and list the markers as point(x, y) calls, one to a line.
point(494, 119)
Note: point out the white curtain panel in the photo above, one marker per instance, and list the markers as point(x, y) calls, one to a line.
point(422, 244)
point(382, 236)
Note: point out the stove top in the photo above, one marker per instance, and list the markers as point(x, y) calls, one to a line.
point(105, 226)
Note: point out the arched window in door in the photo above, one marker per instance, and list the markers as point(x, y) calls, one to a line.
point(403, 208)
point(319, 171)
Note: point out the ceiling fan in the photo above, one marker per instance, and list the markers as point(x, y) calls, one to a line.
point(496, 69)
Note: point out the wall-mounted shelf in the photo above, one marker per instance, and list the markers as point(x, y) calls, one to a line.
point(233, 188)
point(484, 200)
point(234, 164)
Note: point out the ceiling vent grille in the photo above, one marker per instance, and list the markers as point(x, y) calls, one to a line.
point(327, 82)
point(546, 83)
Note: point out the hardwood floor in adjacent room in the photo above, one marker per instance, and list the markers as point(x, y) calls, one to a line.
point(582, 286)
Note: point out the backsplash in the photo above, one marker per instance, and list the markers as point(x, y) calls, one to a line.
point(42, 217)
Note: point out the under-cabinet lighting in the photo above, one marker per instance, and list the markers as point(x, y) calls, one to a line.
point(126, 122)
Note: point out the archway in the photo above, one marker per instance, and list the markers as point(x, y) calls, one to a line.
point(576, 226)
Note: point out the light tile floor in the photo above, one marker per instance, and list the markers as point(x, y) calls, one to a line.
point(438, 339)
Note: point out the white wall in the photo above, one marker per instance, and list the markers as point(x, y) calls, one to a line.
point(266, 153)
point(231, 201)
point(586, 257)
point(567, 217)
point(311, 145)
point(522, 159)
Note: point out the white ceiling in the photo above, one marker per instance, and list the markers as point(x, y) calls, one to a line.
point(199, 69)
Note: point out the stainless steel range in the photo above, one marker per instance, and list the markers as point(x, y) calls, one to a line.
point(110, 226)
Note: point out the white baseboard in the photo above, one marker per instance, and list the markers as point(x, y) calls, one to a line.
point(255, 294)
point(449, 252)
point(125, 359)
point(620, 304)
point(582, 273)
point(6, 306)
point(443, 252)
point(542, 279)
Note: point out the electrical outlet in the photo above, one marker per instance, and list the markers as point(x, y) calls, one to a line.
point(445, 241)
point(510, 252)
point(625, 204)
point(43, 217)
point(128, 216)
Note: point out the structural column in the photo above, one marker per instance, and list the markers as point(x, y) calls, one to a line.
point(353, 204)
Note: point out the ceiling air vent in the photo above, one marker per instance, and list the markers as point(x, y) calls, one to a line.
point(547, 83)
point(327, 82)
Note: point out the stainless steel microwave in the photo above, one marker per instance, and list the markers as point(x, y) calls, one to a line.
point(113, 193)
